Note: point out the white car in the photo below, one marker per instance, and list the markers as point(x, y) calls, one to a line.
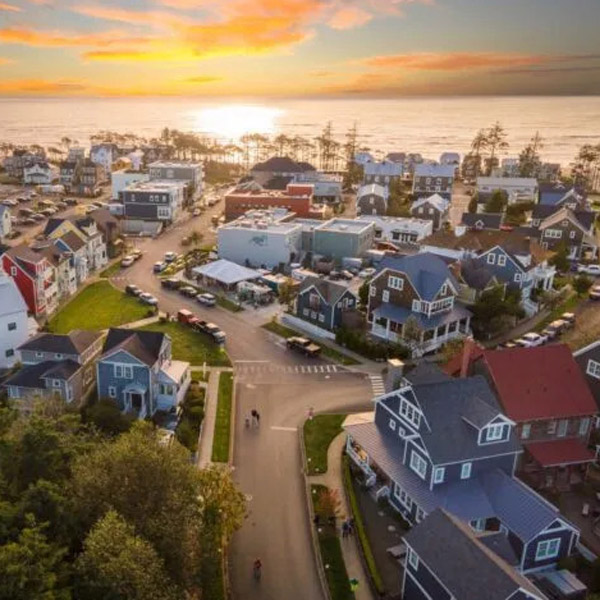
point(589, 270)
point(595, 293)
point(206, 299)
point(147, 298)
point(127, 261)
point(170, 256)
point(531, 340)
point(366, 273)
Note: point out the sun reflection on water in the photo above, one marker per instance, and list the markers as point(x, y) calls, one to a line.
point(233, 121)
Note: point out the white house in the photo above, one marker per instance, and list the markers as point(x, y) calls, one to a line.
point(38, 174)
point(399, 229)
point(137, 159)
point(104, 155)
point(119, 180)
point(260, 239)
point(517, 189)
point(5, 222)
point(13, 321)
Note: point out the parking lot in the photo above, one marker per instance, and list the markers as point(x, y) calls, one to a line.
point(31, 210)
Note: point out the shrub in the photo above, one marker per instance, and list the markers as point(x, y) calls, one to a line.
point(357, 342)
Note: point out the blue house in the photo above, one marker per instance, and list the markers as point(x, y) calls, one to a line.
point(323, 303)
point(447, 559)
point(559, 194)
point(444, 443)
point(137, 371)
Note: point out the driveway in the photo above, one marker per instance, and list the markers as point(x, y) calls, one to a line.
point(282, 386)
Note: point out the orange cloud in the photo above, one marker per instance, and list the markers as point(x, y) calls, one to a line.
point(30, 37)
point(9, 7)
point(349, 17)
point(5, 61)
point(454, 61)
point(40, 86)
point(123, 15)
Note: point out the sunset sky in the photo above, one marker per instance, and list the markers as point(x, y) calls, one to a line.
point(357, 48)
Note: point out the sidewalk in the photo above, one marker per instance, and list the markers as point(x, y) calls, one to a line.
point(333, 480)
point(207, 431)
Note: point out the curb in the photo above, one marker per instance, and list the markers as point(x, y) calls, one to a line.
point(231, 416)
point(309, 508)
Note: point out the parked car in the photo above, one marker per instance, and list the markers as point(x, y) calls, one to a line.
point(9, 202)
point(215, 332)
point(147, 298)
point(345, 274)
point(28, 221)
point(132, 290)
point(170, 284)
point(61, 205)
point(593, 270)
point(170, 256)
point(569, 318)
point(22, 199)
point(159, 267)
point(507, 345)
point(555, 328)
point(38, 217)
point(335, 275)
point(206, 299)
point(98, 204)
point(531, 340)
point(188, 291)
point(71, 201)
point(48, 212)
point(186, 316)
point(136, 254)
point(366, 273)
point(595, 293)
point(127, 261)
point(303, 345)
point(25, 212)
point(196, 213)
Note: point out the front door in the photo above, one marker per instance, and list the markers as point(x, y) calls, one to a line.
point(136, 402)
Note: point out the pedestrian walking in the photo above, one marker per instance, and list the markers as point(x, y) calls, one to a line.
point(257, 418)
point(353, 584)
point(345, 531)
point(254, 415)
point(317, 520)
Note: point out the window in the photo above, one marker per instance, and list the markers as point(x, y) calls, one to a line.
point(58, 355)
point(401, 432)
point(410, 413)
point(413, 559)
point(562, 427)
point(393, 424)
point(444, 289)
point(396, 283)
point(547, 549)
point(163, 212)
point(518, 277)
point(124, 371)
point(491, 259)
point(9, 353)
point(465, 470)
point(56, 383)
point(525, 431)
point(12, 326)
point(502, 261)
point(593, 369)
point(553, 233)
point(402, 496)
point(13, 271)
point(572, 235)
point(495, 432)
point(420, 515)
point(551, 427)
point(112, 391)
point(321, 318)
point(39, 354)
point(372, 290)
point(438, 475)
point(584, 425)
point(418, 464)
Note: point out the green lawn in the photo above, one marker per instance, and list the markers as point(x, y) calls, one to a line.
point(318, 434)
point(192, 346)
point(331, 553)
point(287, 332)
point(220, 449)
point(98, 306)
point(111, 270)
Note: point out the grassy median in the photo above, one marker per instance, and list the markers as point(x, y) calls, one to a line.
point(222, 435)
point(318, 434)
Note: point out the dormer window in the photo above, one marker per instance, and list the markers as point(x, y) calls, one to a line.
point(491, 259)
point(444, 289)
point(410, 413)
point(438, 475)
point(495, 432)
point(501, 261)
point(395, 283)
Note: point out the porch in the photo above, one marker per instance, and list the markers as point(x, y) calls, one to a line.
point(135, 400)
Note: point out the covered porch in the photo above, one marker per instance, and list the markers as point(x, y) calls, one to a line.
point(556, 464)
point(389, 323)
point(136, 401)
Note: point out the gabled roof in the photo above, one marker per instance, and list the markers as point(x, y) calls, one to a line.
point(482, 220)
point(225, 272)
point(586, 218)
point(72, 241)
point(441, 204)
point(555, 193)
point(384, 169)
point(476, 274)
point(279, 182)
point(75, 342)
point(144, 345)
point(32, 376)
point(426, 271)
point(11, 300)
point(23, 252)
point(330, 291)
point(539, 383)
point(282, 164)
point(372, 188)
point(560, 215)
point(52, 225)
point(429, 170)
point(466, 566)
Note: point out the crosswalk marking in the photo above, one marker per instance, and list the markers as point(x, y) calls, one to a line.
point(254, 369)
point(377, 384)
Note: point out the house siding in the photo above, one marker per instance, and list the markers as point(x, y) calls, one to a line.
point(371, 204)
point(566, 536)
point(430, 213)
point(426, 580)
point(479, 467)
point(593, 382)
point(504, 273)
point(106, 378)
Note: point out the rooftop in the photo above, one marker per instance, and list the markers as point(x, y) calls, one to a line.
point(174, 164)
point(158, 185)
point(506, 181)
point(225, 271)
point(11, 300)
point(75, 342)
point(398, 223)
point(431, 170)
point(144, 345)
point(345, 225)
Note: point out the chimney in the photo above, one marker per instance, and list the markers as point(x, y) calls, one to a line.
point(395, 371)
point(467, 352)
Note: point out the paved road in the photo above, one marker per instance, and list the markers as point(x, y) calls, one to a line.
point(460, 203)
point(268, 470)
point(281, 385)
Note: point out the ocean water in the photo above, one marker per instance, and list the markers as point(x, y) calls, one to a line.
point(426, 125)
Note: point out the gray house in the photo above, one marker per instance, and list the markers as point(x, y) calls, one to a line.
point(433, 179)
point(188, 173)
point(55, 366)
point(137, 371)
point(434, 208)
point(372, 199)
point(447, 559)
point(342, 238)
point(323, 303)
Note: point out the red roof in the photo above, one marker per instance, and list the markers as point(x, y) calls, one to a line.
point(539, 383)
point(559, 452)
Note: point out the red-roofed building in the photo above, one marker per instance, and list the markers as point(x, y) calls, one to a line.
point(545, 393)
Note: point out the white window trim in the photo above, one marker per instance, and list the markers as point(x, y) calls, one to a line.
point(413, 559)
point(502, 261)
point(112, 391)
point(438, 474)
point(495, 432)
point(385, 296)
point(542, 550)
point(465, 470)
point(392, 424)
point(395, 283)
point(418, 464)
point(584, 425)
point(593, 369)
point(491, 259)
point(525, 431)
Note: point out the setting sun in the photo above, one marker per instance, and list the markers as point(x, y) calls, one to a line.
point(233, 121)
